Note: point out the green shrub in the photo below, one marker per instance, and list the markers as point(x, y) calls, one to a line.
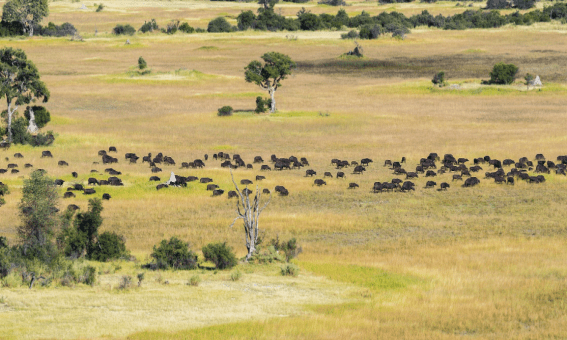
point(200, 30)
point(503, 74)
point(142, 65)
point(109, 246)
point(220, 254)
point(42, 116)
point(171, 28)
point(140, 278)
point(89, 277)
point(439, 79)
point(219, 25)
point(149, 26)
point(185, 28)
point(236, 275)
point(194, 280)
point(3, 191)
point(289, 269)
point(268, 255)
point(126, 282)
point(124, 30)
point(528, 78)
point(5, 260)
point(225, 111)
point(262, 105)
point(497, 4)
point(245, 20)
point(173, 254)
point(100, 8)
point(353, 34)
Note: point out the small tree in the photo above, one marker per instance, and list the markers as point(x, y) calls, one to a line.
point(19, 82)
point(173, 254)
point(27, 12)
point(37, 117)
point(219, 25)
point(497, 4)
point(249, 212)
point(268, 76)
point(528, 78)
point(439, 79)
point(503, 74)
point(220, 254)
point(38, 211)
point(142, 65)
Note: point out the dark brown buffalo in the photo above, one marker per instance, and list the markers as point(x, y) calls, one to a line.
point(161, 186)
point(218, 192)
point(46, 154)
point(259, 178)
point(246, 182)
point(206, 180)
point(352, 185)
point(106, 197)
point(68, 194)
point(89, 191)
point(232, 194)
point(319, 182)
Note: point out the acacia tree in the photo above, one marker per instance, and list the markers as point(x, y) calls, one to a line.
point(27, 12)
point(276, 68)
point(249, 212)
point(19, 82)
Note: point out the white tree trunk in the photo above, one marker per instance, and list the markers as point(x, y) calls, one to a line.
point(32, 127)
point(31, 30)
point(10, 114)
point(272, 95)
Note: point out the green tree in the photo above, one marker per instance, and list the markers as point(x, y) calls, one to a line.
point(219, 25)
point(220, 254)
point(142, 65)
point(38, 114)
point(20, 82)
point(38, 211)
point(27, 12)
point(503, 73)
point(174, 254)
point(268, 76)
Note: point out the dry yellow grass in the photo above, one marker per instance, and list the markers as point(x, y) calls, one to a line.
point(486, 261)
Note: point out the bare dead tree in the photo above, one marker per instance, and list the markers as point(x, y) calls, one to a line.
point(249, 212)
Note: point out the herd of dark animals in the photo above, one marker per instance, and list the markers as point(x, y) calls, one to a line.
point(429, 167)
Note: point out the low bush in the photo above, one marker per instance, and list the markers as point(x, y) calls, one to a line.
point(289, 248)
point(173, 254)
point(218, 25)
point(140, 278)
point(439, 79)
point(225, 111)
point(333, 2)
point(100, 8)
point(220, 254)
point(200, 30)
point(268, 255)
point(289, 269)
point(503, 74)
point(185, 28)
point(149, 26)
point(52, 30)
point(123, 30)
point(4, 190)
point(236, 275)
point(126, 282)
point(262, 105)
point(194, 281)
point(108, 247)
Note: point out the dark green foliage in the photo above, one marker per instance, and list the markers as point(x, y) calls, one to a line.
point(124, 30)
point(309, 21)
point(289, 248)
point(81, 238)
point(149, 26)
point(42, 116)
point(523, 4)
point(200, 30)
point(262, 105)
point(528, 78)
point(142, 65)
point(439, 78)
point(185, 28)
point(171, 28)
point(100, 8)
point(225, 111)
point(350, 35)
point(3, 242)
point(297, 1)
point(246, 20)
point(52, 30)
point(109, 246)
point(332, 2)
point(42, 139)
point(219, 25)
point(38, 212)
point(11, 28)
point(173, 254)
point(497, 4)
point(503, 74)
point(220, 254)
point(20, 133)
point(370, 32)
point(5, 261)
point(90, 275)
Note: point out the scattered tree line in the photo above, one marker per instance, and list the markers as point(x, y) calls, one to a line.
point(23, 17)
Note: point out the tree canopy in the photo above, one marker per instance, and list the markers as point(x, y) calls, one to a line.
point(276, 67)
point(19, 81)
point(27, 12)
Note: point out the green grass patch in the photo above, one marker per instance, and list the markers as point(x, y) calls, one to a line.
point(373, 278)
point(474, 51)
point(155, 78)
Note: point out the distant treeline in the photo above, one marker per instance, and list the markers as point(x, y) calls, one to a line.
point(15, 28)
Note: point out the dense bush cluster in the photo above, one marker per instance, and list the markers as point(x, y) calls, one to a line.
point(14, 28)
point(123, 30)
point(220, 254)
point(225, 111)
point(172, 254)
point(503, 74)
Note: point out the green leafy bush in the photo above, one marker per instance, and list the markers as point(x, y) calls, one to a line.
point(289, 269)
point(185, 28)
point(100, 8)
point(353, 34)
point(245, 20)
point(149, 26)
point(142, 65)
point(220, 254)
point(503, 74)
point(262, 105)
point(123, 30)
point(109, 246)
point(497, 4)
point(290, 248)
point(126, 282)
point(219, 25)
point(236, 275)
point(173, 254)
point(200, 30)
point(439, 79)
point(194, 280)
point(225, 111)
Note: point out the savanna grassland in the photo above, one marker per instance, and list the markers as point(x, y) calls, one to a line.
point(486, 262)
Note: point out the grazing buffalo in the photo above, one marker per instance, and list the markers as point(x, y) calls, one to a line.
point(161, 186)
point(186, 165)
point(310, 172)
point(352, 185)
point(18, 155)
point(365, 161)
point(92, 181)
point(266, 191)
point(218, 192)
point(444, 186)
point(499, 180)
point(68, 194)
point(462, 160)
point(73, 207)
point(106, 197)
point(115, 181)
point(46, 154)
point(510, 180)
point(358, 170)
point(102, 152)
point(232, 194)
point(327, 174)
point(206, 180)
point(354, 163)
point(249, 166)
point(147, 158)
point(471, 182)
point(304, 161)
point(430, 173)
point(94, 171)
point(3, 171)
point(12, 166)
point(130, 155)
point(396, 181)
point(258, 159)
point(246, 182)
point(411, 175)
point(4, 145)
point(403, 160)
point(387, 162)
point(540, 157)
point(495, 163)
point(155, 178)
point(155, 169)
point(407, 186)
point(28, 165)
point(106, 159)
point(59, 182)
point(247, 192)
point(74, 174)
point(319, 182)
point(282, 164)
point(559, 171)
point(191, 178)
point(103, 182)
point(134, 159)
point(430, 184)
point(199, 163)
point(457, 178)
point(265, 168)
point(341, 174)
point(259, 178)
point(433, 156)
point(280, 189)
point(62, 163)
point(112, 149)
point(15, 171)
point(89, 191)
point(508, 162)
point(206, 157)
point(168, 161)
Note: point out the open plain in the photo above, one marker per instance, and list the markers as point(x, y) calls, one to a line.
point(486, 262)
